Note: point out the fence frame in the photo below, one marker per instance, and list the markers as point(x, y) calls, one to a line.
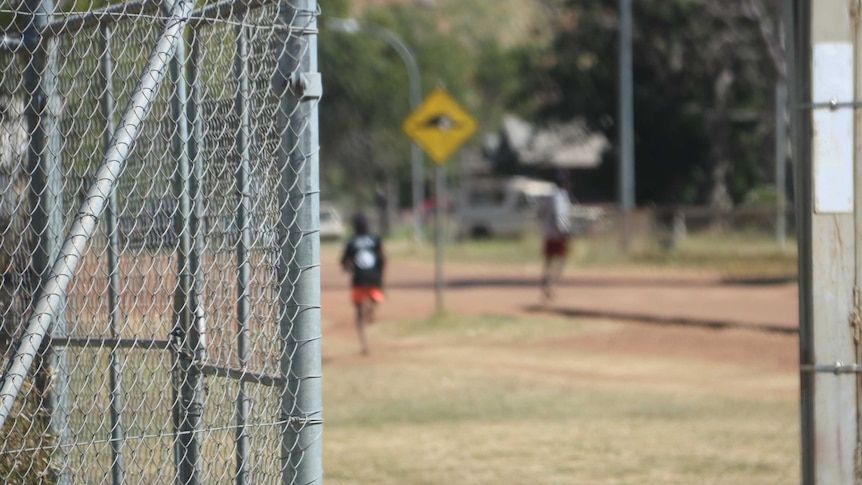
point(298, 85)
point(42, 113)
point(106, 105)
point(302, 412)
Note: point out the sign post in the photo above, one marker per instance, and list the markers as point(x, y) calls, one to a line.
point(439, 126)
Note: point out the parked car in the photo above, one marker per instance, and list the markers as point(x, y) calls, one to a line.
point(501, 207)
point(331, 225)
point(509, 207)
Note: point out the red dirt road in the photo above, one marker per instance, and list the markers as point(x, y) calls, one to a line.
point(695, 316)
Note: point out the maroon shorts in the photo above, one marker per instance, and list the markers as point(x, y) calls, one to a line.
point(556, 247)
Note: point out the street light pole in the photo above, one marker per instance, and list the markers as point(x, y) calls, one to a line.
point(626, 123)
point(352, 26)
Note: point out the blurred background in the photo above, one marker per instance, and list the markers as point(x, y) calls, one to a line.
point(670, 354)
point(541, 79)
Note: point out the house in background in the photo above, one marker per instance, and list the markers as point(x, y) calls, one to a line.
point(521, 148)
point(502, 190)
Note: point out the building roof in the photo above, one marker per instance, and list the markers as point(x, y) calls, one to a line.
point(560, 145)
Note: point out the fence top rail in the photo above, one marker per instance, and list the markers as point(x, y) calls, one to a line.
point(70, 24)
point(225, 10)
point(101, 17)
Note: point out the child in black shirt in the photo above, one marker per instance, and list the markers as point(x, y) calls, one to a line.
point(363, 257)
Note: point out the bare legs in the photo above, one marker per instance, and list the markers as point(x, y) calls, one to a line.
point(360, 327)
point(364, 315)
point(551, 275)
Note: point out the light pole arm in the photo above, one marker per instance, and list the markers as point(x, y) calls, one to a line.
point(414, 80)
point(407, 55)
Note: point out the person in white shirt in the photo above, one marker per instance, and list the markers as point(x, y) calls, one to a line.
point(556, 230)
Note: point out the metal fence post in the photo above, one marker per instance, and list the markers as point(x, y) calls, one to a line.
point(243, 224)
point(440, 214)
point(106, 67)
point(299, 268)
point(780, 163)
point(626, 144)
point(796, 92)
point(188, 316)
point(196, 183)
point(46, 168)
point(828, 212)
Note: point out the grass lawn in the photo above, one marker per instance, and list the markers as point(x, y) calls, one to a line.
point(733, 255)
point(503, 400)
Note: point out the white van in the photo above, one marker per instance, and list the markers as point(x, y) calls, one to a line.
point(509, 207)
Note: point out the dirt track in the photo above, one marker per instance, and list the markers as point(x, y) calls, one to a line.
point(692, 316)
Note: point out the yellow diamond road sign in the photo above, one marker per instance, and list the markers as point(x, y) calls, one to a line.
point(439, 125)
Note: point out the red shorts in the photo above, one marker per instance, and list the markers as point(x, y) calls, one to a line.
point(362, 293)
point(556, 247)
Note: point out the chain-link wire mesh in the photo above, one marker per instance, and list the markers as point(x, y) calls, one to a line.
point(184, 325)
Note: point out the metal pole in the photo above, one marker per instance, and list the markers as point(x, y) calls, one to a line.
point(829, 271)
point(626, 123)
point(414, 78)
point(106, 66)
point(46, 195)
point(439, 223)
point(71, 23)
point(780, 163)
point(418, 168)
point(796, 15)
point(49, 301)
point(856, 313)
point(299, 267)
point(243, 183)
point(188, 314)
point(196, 183)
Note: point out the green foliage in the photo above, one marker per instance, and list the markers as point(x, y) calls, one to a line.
point(686, 121)
point(499, 78)
point(473, 48)
point(367, 96)
point(763, 196)
point(334, 8)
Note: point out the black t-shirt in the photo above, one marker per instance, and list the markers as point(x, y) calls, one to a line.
point(365, 254)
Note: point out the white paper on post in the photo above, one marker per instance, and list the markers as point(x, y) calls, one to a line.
point(832, 79)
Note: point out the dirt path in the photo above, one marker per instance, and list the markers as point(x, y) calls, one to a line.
point(695, 316)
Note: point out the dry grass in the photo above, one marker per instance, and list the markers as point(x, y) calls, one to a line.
point(732, 255)
point(493, 400)
point(25, 429)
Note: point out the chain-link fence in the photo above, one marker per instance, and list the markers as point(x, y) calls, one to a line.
point(159, 215)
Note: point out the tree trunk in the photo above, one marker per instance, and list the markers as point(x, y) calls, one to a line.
point(719, 197)
point(720, 127)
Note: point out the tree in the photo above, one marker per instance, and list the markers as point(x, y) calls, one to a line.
point(366, 98)
point(704, 74)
